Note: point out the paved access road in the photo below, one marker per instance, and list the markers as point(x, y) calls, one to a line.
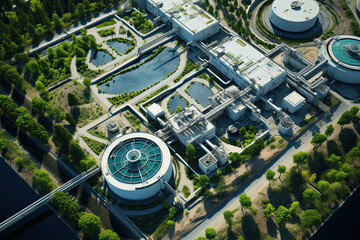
point(253, 188)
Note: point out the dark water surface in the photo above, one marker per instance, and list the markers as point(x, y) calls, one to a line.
point(16, 195)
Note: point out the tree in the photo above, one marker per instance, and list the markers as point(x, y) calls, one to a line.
point(90, 224)
point(323, 185)
point(204, 180)
point(311, 217)
point(283, 215)
point(228, 216)
point(354, 154)
point(318, 139)
point(57, 22)
point(72, 100)
point(245, 201)
point(341, 176)
point(178, 109)
point(76, 152)
point(300, 158)
point(270, 175)
point(40, 106)
point(22, 58)
point(294, 206)
point(190, 152)
point(242, 132)
point(170, 224)
point(354, 111)
point(108, 235)
point(329, 130)
point(345, 118)
point(43, 181)
point(268, 210)
point(310, 195)
point(61, 137)
point(70, 118)
point(210, 233)
point(334, 160)
point(87, 82)
point(281, 169)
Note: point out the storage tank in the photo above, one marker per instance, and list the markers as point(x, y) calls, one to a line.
point(294, 16)
point(343, 56)
point(135, 164)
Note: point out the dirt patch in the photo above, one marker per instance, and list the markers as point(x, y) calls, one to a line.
point(310, 53)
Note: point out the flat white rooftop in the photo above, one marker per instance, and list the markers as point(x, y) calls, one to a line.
point(187, 14)
point(294, 98)
point(247, 61)
point(237, 52)
point(155, 110)
point(263, 71)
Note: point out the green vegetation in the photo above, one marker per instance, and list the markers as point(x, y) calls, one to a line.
point(108, 235)
point(9, 73)
point(107, 23)
point(90, 224)
point(210, 233)
point(106, 32)
point(152, 95)
point(43, 181)
point(22, 118)
point(96, 146)
point(69, 208)
point(186, 191)
point(245, 201)
point(97, 133)
point(141, 24)
point(190, 65)
point(133, 120)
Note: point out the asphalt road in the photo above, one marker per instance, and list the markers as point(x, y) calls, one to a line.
point(253, 188)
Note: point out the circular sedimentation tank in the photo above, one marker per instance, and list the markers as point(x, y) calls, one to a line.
point(135, 166)
point(294, 16)
point(343, 56)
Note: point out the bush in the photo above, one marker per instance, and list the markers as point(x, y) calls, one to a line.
point(106, 32)
point(43, 181)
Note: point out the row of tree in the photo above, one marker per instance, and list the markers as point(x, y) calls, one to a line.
point(89, 223)
point(22, 118)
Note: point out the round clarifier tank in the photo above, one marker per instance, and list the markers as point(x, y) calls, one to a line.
point(294, 16)
point(136, 164)
point(343, 57)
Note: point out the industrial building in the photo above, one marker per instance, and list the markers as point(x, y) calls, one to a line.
point(293, 102)
point(342, 54)
point(294, 16)
point(245, 65)
point(194, 23)
point(137, 166)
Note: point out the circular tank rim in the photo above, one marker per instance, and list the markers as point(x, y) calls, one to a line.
point(329, 53)
point(166, 162)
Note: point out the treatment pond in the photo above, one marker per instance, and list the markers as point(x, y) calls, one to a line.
point(144, 76)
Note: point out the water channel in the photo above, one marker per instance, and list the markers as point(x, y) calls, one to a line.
point(175, 102)
point(120, 47)
point(145, 75)
point(200, 92)
point(16, 195)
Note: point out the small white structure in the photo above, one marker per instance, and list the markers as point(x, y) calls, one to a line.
point(294, 16)
point(155, 110)
point(293, 102)
point(207, 163)
point(236, 110)
point(113, 127)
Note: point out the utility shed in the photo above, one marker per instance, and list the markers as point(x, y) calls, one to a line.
point(207, 163)
point(293, 102)
point(154, 110)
